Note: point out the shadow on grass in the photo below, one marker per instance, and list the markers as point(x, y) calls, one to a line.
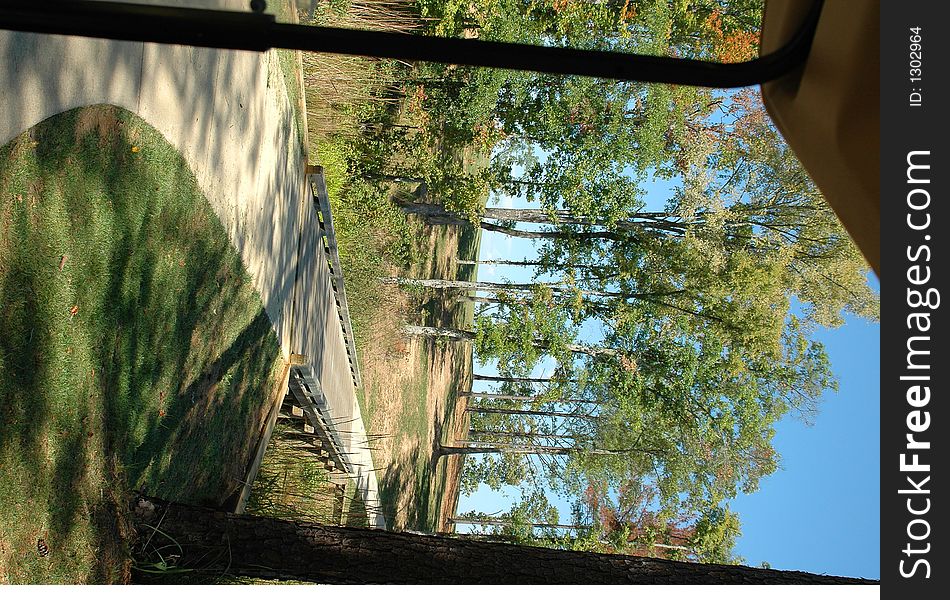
point(395, 484)
point(134, 350)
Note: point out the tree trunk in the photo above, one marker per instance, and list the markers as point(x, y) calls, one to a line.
point(539, 215)
point(685, 549)
point(434, 214)
point(555, 450)
point(455, 284)
point(631, 221)
point(503, 523)
point(501, 396)
point(508, 449)
point(522, 434)
point(556, 235)
point(481, 299)
point(456, 334)
point(459, 334)
point(589, 350)
point(529, 263)
point(488, 286)
point(218, 542)
point(379, 127)
point(519, 379)
point(533, 413)
point(544, 399)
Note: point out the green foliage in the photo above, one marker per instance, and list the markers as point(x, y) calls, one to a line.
point(524, 329)
point(707, 308)
point(371, 232)
point(495, 471)
point(531, 522)
point(715, 536)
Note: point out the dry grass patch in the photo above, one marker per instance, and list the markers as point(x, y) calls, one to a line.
point(411, 390)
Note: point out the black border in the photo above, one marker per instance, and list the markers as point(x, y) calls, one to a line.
point(907, 128)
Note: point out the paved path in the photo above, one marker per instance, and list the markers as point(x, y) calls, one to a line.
point(228, 114)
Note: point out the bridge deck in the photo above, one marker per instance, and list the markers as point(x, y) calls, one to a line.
point(320, 336)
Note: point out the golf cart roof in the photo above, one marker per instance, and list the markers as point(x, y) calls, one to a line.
point(829, 109)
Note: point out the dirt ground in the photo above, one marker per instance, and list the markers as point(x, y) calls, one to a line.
point(411, 387)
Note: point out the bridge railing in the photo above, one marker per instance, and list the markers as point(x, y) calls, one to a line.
point(309, 400)
point(321, 199)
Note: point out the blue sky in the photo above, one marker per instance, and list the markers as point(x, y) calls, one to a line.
point(821, 511)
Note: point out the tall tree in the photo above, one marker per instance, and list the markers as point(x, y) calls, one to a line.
point(628, 521)
point(707, 308)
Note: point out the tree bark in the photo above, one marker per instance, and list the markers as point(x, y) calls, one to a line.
point(456, 334)
point(503, 523)
point(433, 214)
point(437, 214)
point(631, 222)
point(506, 449)
point(531, 398)
point(556, 235)
point(523, 434)
point(556, 287)
point(535, 413)
point(686, 549)
point(533, 449)
point(500, 396)
point(454, 284)
point(481, 299)
point(519, 379)
point(219, 542)
point(459, 334)
point(529, 263)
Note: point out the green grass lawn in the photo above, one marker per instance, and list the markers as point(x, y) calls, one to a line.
point(134, 350)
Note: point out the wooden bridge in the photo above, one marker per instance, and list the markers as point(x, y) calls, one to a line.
point(326, 387)
point(324, 376)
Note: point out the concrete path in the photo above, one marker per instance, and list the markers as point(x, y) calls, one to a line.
point(227, 112)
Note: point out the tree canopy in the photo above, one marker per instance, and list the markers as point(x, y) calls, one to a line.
point(682, 333)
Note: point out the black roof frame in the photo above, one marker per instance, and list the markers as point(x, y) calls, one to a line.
point(260, 32)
